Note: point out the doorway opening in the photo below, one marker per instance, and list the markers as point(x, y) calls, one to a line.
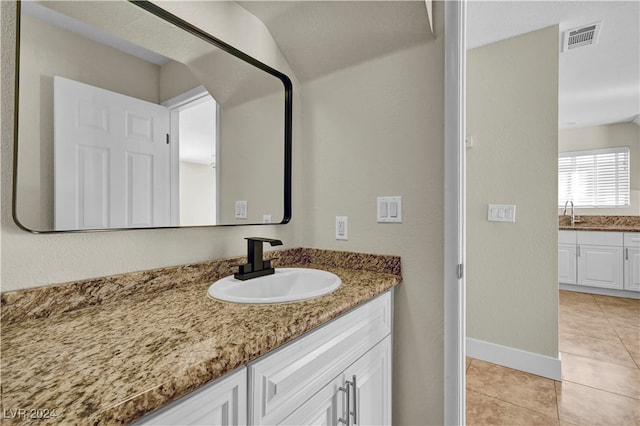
point(195, 141)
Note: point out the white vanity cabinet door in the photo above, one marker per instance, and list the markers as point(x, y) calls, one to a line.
point(282, 381)
point(325, 408)
point(223, 402)
point(369, 383)
point(600, 266)
point(371, 403)
point(567, 264)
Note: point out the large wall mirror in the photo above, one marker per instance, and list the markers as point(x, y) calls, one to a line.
point(129, 117)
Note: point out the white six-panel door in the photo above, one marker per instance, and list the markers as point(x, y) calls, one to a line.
point(111, 159)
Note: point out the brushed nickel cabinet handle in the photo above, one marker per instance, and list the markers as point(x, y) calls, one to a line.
point(355, 400)
point(347, 390)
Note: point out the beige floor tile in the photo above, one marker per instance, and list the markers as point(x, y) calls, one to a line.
point(601, 375)
point(621, 311)
point(468, 362)
point(583, 405)
point(618, 321)
point(583, 308)
point(513, 386)
point(586, 324)
point(486, 410)
point(634, 351)
point(604, 349)
point(574, 297)
point(633, 304)
point(628, 335)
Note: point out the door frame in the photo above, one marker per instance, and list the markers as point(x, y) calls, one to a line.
point(175, 105)
point(455, 215)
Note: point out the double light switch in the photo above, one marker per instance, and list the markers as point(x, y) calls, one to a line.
point(390, 209)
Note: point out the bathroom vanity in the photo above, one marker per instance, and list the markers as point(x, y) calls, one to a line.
point(340, 370)
point(152, 343)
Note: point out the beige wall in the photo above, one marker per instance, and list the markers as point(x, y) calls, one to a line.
point(47, 51)
point(608, 136)
point(30, 260)
point(512, 115)
point(377, 129)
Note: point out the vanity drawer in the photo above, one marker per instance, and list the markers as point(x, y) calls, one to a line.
point(285, 379)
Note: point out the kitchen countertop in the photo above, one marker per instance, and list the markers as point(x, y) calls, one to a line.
point(108, 351)
point(600, 223)
point(605, 228)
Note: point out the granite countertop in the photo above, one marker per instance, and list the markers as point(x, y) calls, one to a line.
point(600, 223)
point(601, 228)
point(108, 351)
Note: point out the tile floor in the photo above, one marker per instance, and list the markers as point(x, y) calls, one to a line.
point(599, 338)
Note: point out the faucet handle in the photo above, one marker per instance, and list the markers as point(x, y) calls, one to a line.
point(271, 241)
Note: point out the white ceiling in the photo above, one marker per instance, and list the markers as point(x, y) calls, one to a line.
point(599, 84)
point(318, 37)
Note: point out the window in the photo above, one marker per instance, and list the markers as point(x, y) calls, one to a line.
point(595, 178)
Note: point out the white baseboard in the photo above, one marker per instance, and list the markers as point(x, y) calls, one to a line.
point(603, 291)
point(540, 365)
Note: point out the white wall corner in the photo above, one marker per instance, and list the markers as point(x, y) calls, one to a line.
point(529, 362)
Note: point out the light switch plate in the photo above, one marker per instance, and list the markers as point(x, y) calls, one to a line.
point(342, 225)
point(389, 209)
point(501, 213)
point(241, 209)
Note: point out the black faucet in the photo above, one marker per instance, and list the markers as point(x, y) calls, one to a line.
point(256, 266)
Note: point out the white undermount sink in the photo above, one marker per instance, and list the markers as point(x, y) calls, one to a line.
point(285, 285)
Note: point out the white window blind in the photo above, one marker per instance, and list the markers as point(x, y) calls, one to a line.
point(594, 178)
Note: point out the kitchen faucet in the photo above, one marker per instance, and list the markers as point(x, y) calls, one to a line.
point(256, 266)
point(573, 216)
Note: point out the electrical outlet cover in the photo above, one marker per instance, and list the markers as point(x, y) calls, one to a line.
point(342, 232)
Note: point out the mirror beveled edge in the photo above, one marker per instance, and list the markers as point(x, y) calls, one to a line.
point(188, 27)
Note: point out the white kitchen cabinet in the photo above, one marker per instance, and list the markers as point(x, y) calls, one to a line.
point(223, 402)
point(600, 260)
point(606, 260)
point(567, 257)
point(567, 263)
point(632, 261)
point(600, 266)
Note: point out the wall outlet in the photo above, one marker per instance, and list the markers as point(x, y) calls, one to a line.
point(241, 209)
point(342, 232)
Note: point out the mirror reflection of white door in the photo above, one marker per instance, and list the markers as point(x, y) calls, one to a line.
point(112, 162)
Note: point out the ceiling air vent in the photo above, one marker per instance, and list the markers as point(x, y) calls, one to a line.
point(581, 36)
